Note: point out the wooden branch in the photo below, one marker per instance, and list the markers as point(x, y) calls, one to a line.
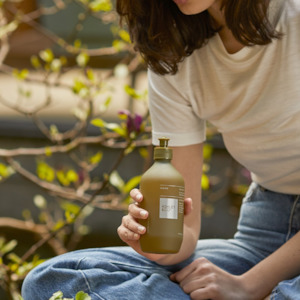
point(106, 140)
point(41, 242)
point(38, 229)
point(4, 48)
point(100, 201)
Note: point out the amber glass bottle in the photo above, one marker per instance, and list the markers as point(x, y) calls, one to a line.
point(162, 187)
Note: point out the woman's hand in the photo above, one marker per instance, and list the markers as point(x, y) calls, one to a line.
point(131, 230)
point(204, 280)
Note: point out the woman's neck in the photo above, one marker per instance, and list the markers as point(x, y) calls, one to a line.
point(229, 41)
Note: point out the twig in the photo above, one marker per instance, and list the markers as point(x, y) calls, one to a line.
point(106, 140)
point(36, 246)
point(4, 49)
point(38, 229)
point(104, 201)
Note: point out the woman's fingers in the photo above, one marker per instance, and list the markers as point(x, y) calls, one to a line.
point(130, 229)
point(188, 206)
point(136, 212)
point(136, 195)
point(200, 267)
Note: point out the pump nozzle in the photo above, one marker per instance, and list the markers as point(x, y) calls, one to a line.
point(163, 142)
point(163, 151)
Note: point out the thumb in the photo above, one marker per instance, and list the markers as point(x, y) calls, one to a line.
point(188, 206)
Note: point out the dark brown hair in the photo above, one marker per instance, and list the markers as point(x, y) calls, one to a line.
point(165, 36)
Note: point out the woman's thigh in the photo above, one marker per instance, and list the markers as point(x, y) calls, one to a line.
point(267, 220)
point(121, 273)
point(106, 273)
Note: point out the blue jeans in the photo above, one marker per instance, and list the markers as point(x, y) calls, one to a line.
point(267, 220)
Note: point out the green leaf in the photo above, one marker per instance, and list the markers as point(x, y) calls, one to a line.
point(57, 296)
point(56, 65)
point(132, 183)
point(77, 43)
point(95, 159)
point(70, 207)
point(116, 128)
point(4, 171)
point(79, 113)
point(70, 217)
point(82, 296)
point(118, 45)
point(132, 92)
point(90, 75)
point(46, 55)
point(124, 35)
point(14, 258)
point(207, 151)
point(10, 27)
point(59, 224)
point(144, 152)
point(8, 246)
point(40, 201)
point(35, 62)
point(24, 92)
point(80, 88)
point(45, 172)
point(62, 178)
point(103, 106)
point(83, 230)
point(101, 5)
point(129, 149)
point(82, 59)
point(121, 71)
point(72, 175)
point(87, 211)
point(20, 74)
point(98, 123)
point(205, 182)
point(116, 180)
point(48, 151)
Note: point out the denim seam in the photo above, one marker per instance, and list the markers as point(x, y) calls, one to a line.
point(86, 280)
point(79, 262)
point(291, 218)
point(133, 265)
point(88, 285)
point(159, 270)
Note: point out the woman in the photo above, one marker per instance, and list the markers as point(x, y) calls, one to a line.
point(236, 64)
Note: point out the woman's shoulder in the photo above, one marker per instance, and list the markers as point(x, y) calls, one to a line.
point(281, 11)
point(292, 8)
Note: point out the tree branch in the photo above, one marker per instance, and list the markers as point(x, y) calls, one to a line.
point(106, 140)
point(38, 229)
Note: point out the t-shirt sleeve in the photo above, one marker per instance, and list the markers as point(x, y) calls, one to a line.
point(172, 115)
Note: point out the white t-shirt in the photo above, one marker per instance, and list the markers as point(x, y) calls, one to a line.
point(252, 97)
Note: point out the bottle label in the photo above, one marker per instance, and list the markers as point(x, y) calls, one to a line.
point(171, 201)
point(168, 208)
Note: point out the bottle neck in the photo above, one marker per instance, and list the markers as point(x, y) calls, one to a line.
point(162, 160)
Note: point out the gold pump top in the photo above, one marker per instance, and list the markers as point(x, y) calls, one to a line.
point(163, 142)
point(163, 151)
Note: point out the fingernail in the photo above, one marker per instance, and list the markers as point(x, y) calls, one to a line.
point(143, 213)
point(141, 229)
point(138, 197)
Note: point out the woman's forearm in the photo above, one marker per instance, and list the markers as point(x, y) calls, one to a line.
point(281, 265)
point(188, 246)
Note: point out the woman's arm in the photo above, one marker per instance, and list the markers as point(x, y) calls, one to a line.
point(204, 280)
point(281, 265)
point(188, 161)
